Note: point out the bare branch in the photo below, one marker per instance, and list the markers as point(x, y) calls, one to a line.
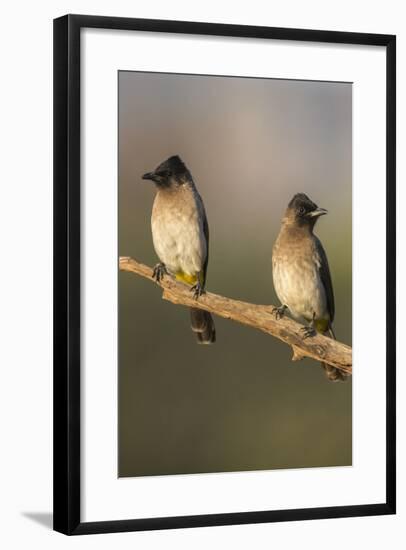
point(260, 317)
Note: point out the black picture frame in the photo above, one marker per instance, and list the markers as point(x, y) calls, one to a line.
point(67, 288)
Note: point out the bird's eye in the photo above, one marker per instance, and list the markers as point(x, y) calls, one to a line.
point(164, 174)
point(301, 210)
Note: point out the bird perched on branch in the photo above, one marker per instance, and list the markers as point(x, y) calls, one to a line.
point(180, 234)
point(301, 272)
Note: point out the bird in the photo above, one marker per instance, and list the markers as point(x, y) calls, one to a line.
point(180, 234)
point(301, 273)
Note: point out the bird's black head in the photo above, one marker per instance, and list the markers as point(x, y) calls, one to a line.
point(302, 211)
point(170, 173)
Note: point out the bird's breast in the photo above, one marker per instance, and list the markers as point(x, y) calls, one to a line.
point(297, 281)
point(177, 232)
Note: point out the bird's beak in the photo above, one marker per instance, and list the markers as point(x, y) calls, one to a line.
point(149, 176)
point(318, 212)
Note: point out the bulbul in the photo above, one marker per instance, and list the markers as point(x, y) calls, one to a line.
point(301, 272)
point(180, 234)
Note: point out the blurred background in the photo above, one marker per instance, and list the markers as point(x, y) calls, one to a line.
point(241, 404)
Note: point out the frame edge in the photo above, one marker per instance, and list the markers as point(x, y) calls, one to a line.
point(66, 369)
point(391, 274)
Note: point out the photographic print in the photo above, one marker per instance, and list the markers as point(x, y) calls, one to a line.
point(211, 247)
point(240, 187)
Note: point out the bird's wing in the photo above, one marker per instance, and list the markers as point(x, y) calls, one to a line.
point(206, 234)
point(200, 206)
point(325, 276)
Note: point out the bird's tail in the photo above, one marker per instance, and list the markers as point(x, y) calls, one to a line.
point(203, 326)
point(333, 374)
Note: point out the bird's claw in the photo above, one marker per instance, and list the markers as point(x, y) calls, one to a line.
point(197, 290)
point(159, 272)
point(308, 332)
point(279, 312)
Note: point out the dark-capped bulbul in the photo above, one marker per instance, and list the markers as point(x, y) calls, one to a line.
point(180, 234)
point(301, 273)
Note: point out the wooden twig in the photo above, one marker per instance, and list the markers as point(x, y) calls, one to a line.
point(261, 317)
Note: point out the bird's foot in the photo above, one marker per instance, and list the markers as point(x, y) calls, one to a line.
point(308, 332)
point(159, 272)
point(197, 290)
point(279, 312)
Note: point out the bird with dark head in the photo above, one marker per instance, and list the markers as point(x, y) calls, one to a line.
point(180, 233)
point(301, 273)
point(302, 211)
point(171, 172)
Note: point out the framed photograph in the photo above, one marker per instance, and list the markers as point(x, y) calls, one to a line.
point(224, 233)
